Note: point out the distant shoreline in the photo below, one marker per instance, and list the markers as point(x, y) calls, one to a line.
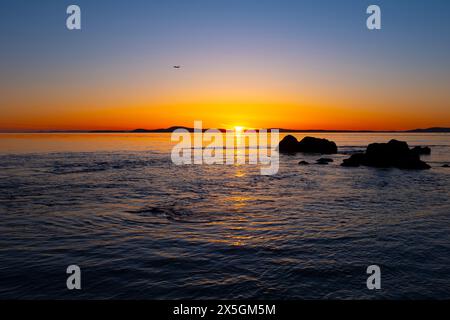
point(282, 130)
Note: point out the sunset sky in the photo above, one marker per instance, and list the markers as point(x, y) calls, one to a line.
point(256, 63)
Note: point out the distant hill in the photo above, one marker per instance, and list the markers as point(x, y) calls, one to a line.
point(435, 129)
point(282, 130)
point(171, 129)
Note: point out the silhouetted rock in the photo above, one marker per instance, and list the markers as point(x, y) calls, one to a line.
point(316, 145)
point(289, 144)
point(324, 160)
point(383, 155)
point(421, 150)
point(303, 163)
point(355, 160)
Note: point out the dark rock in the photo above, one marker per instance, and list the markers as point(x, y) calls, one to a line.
point(413, 164)
point(316, 145)
point(355, 160)
point(445, 166)
point(290, 144)
point(324, 160)
point(303, 163)
point(421, 150)
point(384, 155)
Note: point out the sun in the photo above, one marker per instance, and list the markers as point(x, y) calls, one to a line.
point(238, 129)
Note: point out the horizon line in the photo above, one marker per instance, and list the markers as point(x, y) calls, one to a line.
point(171, 128)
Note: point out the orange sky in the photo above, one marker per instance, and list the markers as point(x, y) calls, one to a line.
point(220, 102)
point(113, 95)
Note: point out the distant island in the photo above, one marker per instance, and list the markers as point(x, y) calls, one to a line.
point(435, 129)
point(171, 129)
point(283, 130)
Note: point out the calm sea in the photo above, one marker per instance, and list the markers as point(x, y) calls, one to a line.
point(140, 227)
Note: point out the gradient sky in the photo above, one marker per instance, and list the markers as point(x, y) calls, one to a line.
point(259, 63)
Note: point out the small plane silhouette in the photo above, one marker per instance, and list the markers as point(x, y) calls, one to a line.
point(177, 67)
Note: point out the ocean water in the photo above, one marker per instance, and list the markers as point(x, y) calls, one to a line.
point(140, 227)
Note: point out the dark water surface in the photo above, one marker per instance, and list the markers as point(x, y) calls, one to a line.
point(141, 227)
